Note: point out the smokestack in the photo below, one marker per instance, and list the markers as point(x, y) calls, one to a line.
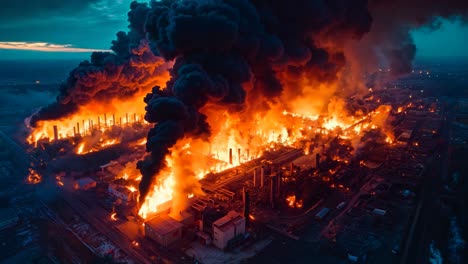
point(262, 177)
point(84, 127)
point(113, 119)
point(55, 133)
point(230, 156)
point(272, 194)
point(292, 168)
point(99, 122)
point(246, 200)
point(278, 184)
point(105, 120)
point(120, 123)
point(317, 160)
point(74, 131)
point(90, 125)
point(255, 177)
point(238, 155)
point(78, 128)
point(126, 114)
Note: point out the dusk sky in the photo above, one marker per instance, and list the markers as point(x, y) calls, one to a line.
point(81, 26)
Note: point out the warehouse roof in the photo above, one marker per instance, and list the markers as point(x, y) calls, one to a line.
point(163, 224)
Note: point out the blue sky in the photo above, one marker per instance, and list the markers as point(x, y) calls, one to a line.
point(92, 24)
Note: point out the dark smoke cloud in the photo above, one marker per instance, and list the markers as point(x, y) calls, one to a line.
point(219, 46)
point(131, 68)
point(389, 42)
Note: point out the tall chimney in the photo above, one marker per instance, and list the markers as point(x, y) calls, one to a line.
point(238, 155)
point(55, 133)
point(113, 119)
point(99, 122)
point(78, 128)
point(120, 121)
point(230, 156)
point(317, 160)
point(278, 184)
point(255, 177)
point(105, 120)
point(262, 177)
point(74, 131)
point(246, 200)
point(126, 114)
point(84, 128)
point(292, 168)
point(272, 194)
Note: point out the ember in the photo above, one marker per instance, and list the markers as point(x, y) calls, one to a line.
point(113, 216)
point(33, 177)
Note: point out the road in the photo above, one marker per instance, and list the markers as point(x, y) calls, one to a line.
point(416, 245)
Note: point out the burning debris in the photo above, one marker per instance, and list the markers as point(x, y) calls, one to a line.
point(293, 203)
point(33, 177)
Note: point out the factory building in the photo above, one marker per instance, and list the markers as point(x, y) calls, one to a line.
point(227, 228)
point(164, 230)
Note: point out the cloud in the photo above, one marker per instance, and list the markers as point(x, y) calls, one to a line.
point(82, 23)
point(19, 10)
point(44, 46)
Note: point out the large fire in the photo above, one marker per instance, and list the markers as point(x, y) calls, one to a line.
point(311, 109)
point(91, 118)
point(235, 139)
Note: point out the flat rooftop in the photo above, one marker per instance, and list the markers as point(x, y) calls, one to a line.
point(231, 217)
point(163, 224)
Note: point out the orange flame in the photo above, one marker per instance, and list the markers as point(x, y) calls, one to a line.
point(293, 202)
point(33, 177)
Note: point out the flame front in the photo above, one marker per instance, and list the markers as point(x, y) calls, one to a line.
point(236, 137)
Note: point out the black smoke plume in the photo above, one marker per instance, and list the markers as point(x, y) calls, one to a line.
point(131, 68)
point(219, 46)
